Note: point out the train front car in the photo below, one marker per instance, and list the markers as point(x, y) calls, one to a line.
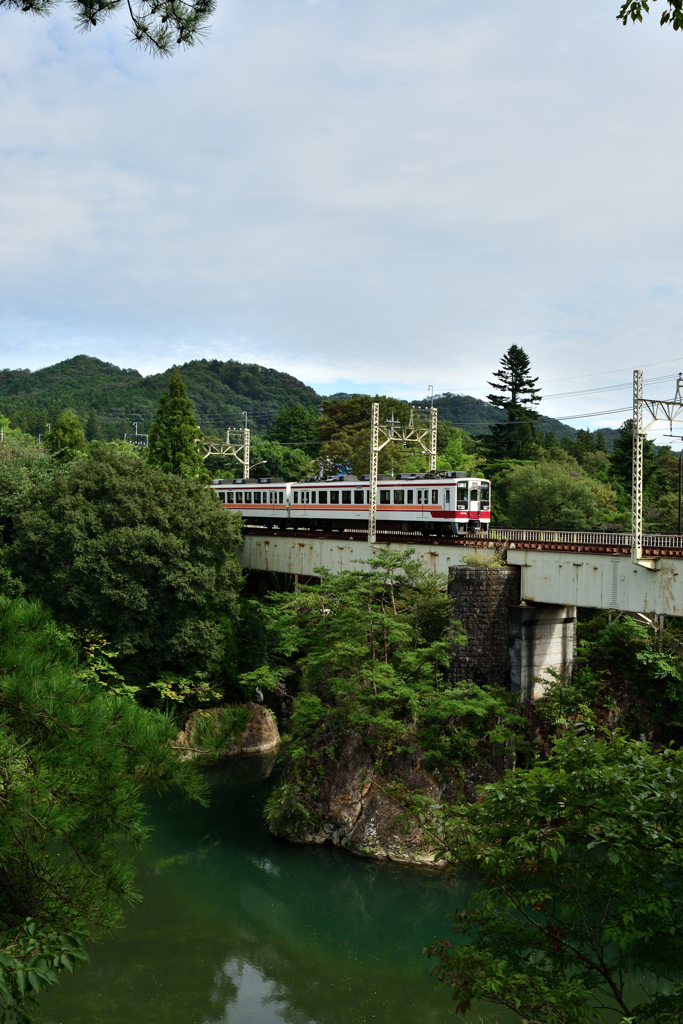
point(472, 506)
point(443, 503)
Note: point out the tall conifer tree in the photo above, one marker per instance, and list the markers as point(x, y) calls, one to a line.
point(175, 436)
point(515, 392)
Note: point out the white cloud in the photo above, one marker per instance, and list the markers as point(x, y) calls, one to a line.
point(377, 194)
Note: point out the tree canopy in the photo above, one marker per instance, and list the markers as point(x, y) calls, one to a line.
point(162, 27)
point(580, 864)
point(67, 436)
point(174, 437)
point(147, 558)
point(74, 763)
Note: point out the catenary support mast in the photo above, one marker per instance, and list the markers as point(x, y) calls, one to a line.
point(417, 432)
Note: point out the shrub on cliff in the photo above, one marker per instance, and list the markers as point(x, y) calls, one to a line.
point(369, 652)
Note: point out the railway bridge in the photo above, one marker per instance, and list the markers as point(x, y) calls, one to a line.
point(520, 620)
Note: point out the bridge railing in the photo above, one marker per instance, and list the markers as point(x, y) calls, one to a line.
point(617, 540)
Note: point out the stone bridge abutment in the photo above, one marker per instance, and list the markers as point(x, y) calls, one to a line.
point(507, 642)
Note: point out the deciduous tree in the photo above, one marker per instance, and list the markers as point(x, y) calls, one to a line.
point(142, 556)
point(576, 919)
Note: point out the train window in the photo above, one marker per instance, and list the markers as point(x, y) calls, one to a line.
point(257, 497)
point(435, 497)
point(238, 498)
point(346, 497)
point(296, 497)
point(322, 497)
point(474, 495)
point(461, 495)
point(247, 497)
point(410, 498)
point(282, 497)
point(385, 497)
point(264, 498)
point(485, 492)
point(334, 497)
point(312, 497)
point(367, 497)
point(447, 495)
point(399, 497)
point(358, 497)
point(231, 497)
point(419, 497)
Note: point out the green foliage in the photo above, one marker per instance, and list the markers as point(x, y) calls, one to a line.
point(548, 496)
point(632, 10)
point(514, 392)
point(219, 391)
point(295, 424)
point(282, 460)
point(632, 654)
point(31, 958)
point(74, 763)
point(67, 438)
point(369, 652)
point(160, 28)
point(514, 387)
point(345, 431)
point(22, 464)
point(214, 731)
point(622, 457)
point(175, 689)
point(175, 439)
point(581, 887)
point(143, 557)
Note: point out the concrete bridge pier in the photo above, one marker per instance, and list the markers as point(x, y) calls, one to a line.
point(508, 643)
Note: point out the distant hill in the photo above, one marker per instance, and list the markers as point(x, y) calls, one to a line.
point(476, 416)
point(109, 399)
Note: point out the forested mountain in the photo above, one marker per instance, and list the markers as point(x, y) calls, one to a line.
point(476, 416)
point(109, 400)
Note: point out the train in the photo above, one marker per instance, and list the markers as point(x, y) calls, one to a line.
point(439, 503)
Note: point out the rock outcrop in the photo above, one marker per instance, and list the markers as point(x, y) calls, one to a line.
point(356, 812)
point(259, 736)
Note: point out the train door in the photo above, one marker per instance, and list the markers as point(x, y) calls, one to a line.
point(475, 488)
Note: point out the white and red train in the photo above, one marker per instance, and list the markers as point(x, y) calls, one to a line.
point(437, 503)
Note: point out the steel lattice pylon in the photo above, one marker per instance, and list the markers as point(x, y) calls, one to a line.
point(417, 432)
point(232, 449)
point(668, 411)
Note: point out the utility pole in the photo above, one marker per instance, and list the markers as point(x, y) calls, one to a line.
point(416, 432)
point(637, 470)
point(669, 411)
point(374, 462)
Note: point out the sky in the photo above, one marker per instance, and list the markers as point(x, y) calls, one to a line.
point(372, 196)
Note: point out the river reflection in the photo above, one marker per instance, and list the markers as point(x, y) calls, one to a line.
point(237, 928)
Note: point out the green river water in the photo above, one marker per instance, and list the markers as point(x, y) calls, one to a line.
point(237, 928)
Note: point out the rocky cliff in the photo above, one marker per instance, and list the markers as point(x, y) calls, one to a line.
point(353, 809)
